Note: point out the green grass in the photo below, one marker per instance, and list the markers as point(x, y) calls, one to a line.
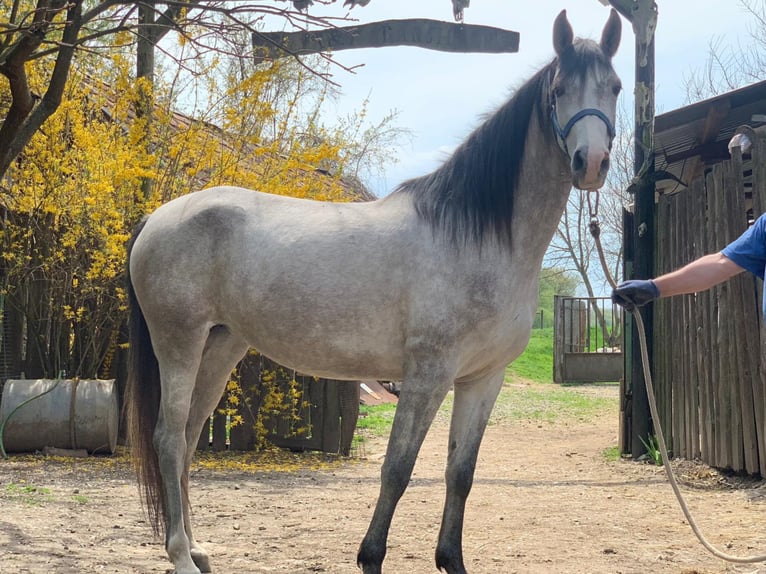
point(374, 420)
point(611, 454)
point(28, 493)
point(549, 404)
point(517, 401)
point(536, 362)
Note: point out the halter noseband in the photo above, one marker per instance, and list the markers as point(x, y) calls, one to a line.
point(561, 134)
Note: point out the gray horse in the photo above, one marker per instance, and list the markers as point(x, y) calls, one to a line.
point(434, 285)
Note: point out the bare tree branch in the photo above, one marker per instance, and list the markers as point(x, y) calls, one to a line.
point(50, 102)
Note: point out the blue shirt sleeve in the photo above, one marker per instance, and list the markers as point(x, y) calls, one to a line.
point(749, 249)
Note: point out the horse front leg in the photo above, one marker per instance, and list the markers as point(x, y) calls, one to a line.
point(419, 401)
point(473, 404)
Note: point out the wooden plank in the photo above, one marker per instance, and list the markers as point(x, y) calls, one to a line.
point(219, 427)
point(692, 402)
point(242, 436)
point(719, 413)
point(732, 342)
point(727, 344)
point(694, 415)
point(661, 338)
point(683, 336)
point(755, 314)
point(706, 304)
point(331, 426)
point(746, 353)
point(676, 378)
point(759, 173)
point(702, 330)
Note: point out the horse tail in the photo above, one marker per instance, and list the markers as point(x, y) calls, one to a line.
point(142, 403)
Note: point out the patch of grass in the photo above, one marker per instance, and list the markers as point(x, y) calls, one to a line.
point(536, 362)
point(28, 493)
point(548, 404)
point(653, 451)
point(611, 454)
point(80, 499)
point(516, 401)
point(375, 420)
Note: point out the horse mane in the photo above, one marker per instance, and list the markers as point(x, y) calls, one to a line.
point(471, 195)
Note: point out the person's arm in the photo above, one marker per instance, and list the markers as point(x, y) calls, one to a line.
point(699, 275)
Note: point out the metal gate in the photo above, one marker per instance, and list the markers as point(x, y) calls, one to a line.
point(587, 340)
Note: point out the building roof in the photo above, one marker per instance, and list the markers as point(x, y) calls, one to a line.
point(689, 139)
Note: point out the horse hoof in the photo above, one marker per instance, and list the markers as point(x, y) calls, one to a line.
point(202, 560)
point(450, 561)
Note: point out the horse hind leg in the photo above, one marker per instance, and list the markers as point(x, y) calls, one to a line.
point(178, 353)
point(470, 412)
point(222, 353)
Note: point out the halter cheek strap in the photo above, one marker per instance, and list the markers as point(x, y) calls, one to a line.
point(562, 134)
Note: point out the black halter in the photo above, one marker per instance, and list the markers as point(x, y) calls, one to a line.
point(561, 134)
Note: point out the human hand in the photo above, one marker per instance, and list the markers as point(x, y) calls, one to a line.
point(635, 293)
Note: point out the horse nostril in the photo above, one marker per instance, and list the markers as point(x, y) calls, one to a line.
point(605, 164)
point(578, 161)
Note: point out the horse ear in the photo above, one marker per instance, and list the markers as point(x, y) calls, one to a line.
point(562, 33)
point(610, 37)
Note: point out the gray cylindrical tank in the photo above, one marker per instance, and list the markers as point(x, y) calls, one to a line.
point(82, 414)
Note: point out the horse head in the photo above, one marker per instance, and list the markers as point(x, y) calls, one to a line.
point(583, 99)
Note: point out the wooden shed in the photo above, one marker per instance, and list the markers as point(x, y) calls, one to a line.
point(707, 359)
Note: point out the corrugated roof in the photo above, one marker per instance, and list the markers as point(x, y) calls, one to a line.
point(689, 139)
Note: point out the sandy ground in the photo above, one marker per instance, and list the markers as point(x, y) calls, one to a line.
point(545, 499)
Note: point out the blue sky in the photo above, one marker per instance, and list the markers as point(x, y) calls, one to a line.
point(441, 97)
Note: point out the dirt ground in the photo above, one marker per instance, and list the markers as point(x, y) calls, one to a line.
point(545, 499)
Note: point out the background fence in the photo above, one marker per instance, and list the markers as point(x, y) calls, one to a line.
point(314, 414)
point(587, 340)
point(707, 355)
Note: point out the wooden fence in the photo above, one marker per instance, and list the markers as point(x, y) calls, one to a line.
point(322, 417)
point(707, 355)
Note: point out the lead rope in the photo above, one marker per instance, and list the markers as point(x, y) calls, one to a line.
point(664, 450)
point(595, 231)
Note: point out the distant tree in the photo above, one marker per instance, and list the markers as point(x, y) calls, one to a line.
point(732, 64)
point(554, 281)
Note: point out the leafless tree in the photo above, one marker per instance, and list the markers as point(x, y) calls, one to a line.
point(732, 64)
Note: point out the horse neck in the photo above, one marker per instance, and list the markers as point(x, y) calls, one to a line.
point(541, 195)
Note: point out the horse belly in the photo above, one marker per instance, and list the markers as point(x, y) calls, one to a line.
point(329, 338)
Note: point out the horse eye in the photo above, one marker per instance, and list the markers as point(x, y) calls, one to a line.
point(616, 89)
point(558, 91)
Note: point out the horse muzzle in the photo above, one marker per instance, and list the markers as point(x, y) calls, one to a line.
point(589, 168)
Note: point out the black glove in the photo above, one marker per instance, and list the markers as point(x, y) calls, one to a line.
point(634, 293)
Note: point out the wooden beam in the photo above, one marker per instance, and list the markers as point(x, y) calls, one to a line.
point(624, 7)
point(418, 32)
